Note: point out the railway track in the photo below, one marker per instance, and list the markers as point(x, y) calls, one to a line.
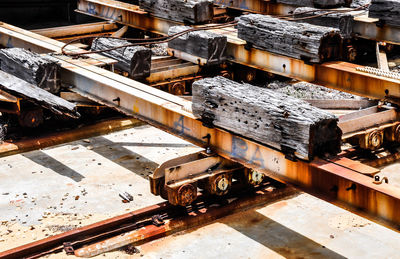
point(150, 223)
point(342, 180)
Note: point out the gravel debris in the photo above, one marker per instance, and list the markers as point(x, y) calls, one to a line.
point(159, 49)
point(304, 90)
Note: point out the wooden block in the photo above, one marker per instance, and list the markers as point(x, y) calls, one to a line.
point(186, 11)
point(314, 3)
point(341, 21)
point(36, 95)
point(205, 44)
point(278, 120)
point(304, 41)
point(31, 67)
point(386, 10)
point(135, 60)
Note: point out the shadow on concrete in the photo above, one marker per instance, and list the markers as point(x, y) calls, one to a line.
point(171, 145)
point(47, 161)
point(277, 237)
point(124, 157)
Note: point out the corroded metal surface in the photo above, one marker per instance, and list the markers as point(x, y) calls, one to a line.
point(99, 227)
point(10, 148)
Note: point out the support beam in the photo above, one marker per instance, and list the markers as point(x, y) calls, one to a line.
point(381, 58)
point(120, 32)
point(66, 31)
point(365, 27)
point(126, 14)
point(14, 37)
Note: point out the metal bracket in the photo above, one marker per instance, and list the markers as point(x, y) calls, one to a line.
point(69, 250)
point(157, 220)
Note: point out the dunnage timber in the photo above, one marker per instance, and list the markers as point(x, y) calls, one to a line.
point(315, 3)
point(187, 11)
point(204, 44)
point(136, 60)
point(286, 123)
point(342, 21)
point(31, 67)
point(388, 11)
point(36, 95)
point(304, 41)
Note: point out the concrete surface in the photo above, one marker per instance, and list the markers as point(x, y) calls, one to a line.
point(74, 184)
point(298, 227)
point(57, 189)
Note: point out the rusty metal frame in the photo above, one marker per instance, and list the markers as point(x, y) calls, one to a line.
point(327, 179)
point(126, 14)
point(338, 181)
point(339, 75)
point(12, 36)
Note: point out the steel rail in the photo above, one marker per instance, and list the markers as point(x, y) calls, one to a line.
point(336, 182)
point(55, 241)
point(204, 211)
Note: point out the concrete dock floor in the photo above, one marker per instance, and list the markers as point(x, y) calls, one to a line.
point(53, 190)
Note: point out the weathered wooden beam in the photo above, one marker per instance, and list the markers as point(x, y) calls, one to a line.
point(341, 21)
point(136, 60)
point(387, 11)
point(359, 3)
point(205, 44)
point(315, 3)
point(187, 11)
point(278, 120)
point(36, 95)
point(303, 41)
point(31, 67)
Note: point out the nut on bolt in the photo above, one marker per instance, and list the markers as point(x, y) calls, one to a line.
point(254, 177)
point(372, 140)
point(219, 184)
point(187, 194)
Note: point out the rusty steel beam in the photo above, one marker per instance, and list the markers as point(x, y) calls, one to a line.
point(100, 128)
point(381, 58)
point(126, 14)
point(11, 36)
point(367, 28)
point(72, 30)
point(176, 220)
point(345, 77)
point(194, 219)
point(98, 227)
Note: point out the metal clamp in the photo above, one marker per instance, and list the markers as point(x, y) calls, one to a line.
point(378, 180)
point(68, 248)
